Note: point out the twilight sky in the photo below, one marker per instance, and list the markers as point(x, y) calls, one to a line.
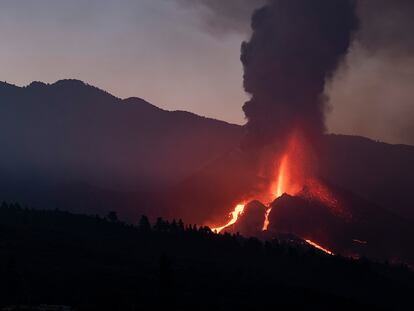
point(162, 51)
point(152, 49)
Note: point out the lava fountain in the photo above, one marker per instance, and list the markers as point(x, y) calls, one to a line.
point(290, 175)
point(294, 174)
point(292, 53)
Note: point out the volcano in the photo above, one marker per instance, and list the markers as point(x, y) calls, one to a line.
point(349, 225)
point(294, 199)
point(332, 219)
point(358, 228)
point(277, 181)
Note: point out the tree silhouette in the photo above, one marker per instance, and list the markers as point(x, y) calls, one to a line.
point(161, 225)
point(112, 216)
point(63, 258)
point(181, 225)
point(144, 224)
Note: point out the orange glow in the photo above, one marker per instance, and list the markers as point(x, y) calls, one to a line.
point(293, 169)
point(239, 209)
point(266, 221)
point(280, 186)
point(293, 174)
point(319, 247)
point(289, 177)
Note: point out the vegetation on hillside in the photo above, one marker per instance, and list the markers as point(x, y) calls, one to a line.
point(96, 263)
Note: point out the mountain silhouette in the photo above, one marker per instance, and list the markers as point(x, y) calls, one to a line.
point(63, 136)
point(73, 130)
point(379, 172)
point(73, 146)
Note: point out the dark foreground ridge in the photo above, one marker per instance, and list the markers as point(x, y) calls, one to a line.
point(95, 263)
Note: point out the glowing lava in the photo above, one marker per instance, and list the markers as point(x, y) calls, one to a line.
point(266, 221)
point(234, 216)
point(327, 251)
point(278, 188)
point(288, 180)
point(292, 174)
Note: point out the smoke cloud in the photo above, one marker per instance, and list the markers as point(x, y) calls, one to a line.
point(387, 26)
point(221, 17)
point(372, 94)
point(295, 47)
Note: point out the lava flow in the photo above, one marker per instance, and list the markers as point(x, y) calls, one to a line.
point(235, 214)
point(323, 249)
point(285, 180)
point(279, 189)
point(289, 177)
point(293, 175)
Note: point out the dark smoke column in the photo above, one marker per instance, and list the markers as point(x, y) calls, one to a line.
point(295, 47)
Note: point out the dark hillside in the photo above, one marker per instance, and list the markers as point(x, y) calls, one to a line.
point(72, 132)
point(92, 263)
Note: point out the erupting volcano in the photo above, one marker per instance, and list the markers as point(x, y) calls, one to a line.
point(286, 65)
point(274, 180)
point(290, 174)
point(293, 175)
point(296, 201)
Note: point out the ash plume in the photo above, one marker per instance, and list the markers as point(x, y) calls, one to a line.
point(387, 26)
point(220, 17)
point(381, 58)
point(372, 93)
point(295, 48)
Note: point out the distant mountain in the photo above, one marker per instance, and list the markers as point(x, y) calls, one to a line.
point(75, 131)
point(69, 133)
point(74, 146)
point(382, 173)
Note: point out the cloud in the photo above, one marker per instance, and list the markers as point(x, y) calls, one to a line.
point(372, 94)
point(221, 17)
point(295, 47)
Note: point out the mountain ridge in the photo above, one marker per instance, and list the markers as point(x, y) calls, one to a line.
point(71, 133)
point(65, 83)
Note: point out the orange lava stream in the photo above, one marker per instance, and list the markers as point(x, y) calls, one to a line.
point(266, 221)
point(292, 173)
point(319, 247)
point(289, 177)
point(277, 190)
point(234, 216)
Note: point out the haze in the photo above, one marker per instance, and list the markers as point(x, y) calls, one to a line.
point(161, 51)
